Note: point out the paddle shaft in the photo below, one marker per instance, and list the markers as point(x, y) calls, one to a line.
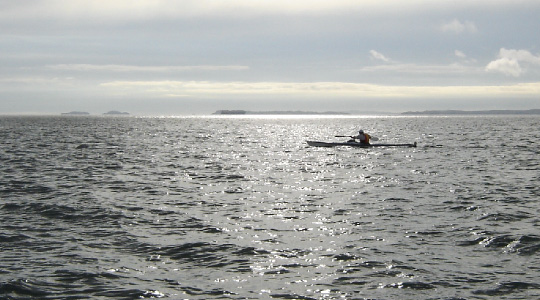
point(374, 138)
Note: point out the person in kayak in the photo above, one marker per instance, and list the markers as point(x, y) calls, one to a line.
point(362, 137)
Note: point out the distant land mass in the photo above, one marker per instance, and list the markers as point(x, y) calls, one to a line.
point(76, 113)
point(115, 112)
point(277, 112)
point(409, 113)
point(474, 112)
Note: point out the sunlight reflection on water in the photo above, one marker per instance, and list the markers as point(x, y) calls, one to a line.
point(241, 207)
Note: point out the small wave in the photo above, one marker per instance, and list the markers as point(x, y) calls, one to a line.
point(73, 214)
point(11, 206)
point(71, 276)
point(387, 273)
point(506, 217)
point(506, 288)
point(292, 253)
point(415, 285)
point(25, 188)
point(464, 208)
point(430, 232)
point(397, 199)
point(277, 271)
point(292, 296)
point(251, 251)
point(12, 238)
point(526, 245)
point(345, 257)
point(351, 281)
point(211, 255)
point(129, 294)
point(21, 287)
point(471, 242)
point(529, 250)
point(362, 266)
point(523, 245)
point(199, 292)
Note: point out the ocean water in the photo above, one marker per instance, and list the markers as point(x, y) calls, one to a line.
point(242, 208)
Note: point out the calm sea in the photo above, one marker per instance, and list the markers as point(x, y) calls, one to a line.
point(243, 208)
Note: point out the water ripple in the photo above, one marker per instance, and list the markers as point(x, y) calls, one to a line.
point(242, 208)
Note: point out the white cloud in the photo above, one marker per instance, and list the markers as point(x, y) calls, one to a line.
point(509, 62)
point(378, 56)
point(315, 89)
point(457, 27)
point(460, 54)
point(506, 66)
point(519, 55)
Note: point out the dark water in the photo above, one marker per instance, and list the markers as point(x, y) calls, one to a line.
point(242, 208)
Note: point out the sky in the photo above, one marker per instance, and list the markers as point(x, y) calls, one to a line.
point(167, 57)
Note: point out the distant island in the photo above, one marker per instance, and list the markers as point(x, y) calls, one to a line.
point(76, 113)
point(277, 112)
point(474, 112)
point(116, 113)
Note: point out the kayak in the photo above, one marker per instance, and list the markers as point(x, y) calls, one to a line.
point(355, 144)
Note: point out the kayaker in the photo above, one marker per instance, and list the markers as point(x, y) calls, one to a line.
point(362, 137)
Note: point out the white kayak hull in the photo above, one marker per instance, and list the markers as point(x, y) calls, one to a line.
point(354, 144)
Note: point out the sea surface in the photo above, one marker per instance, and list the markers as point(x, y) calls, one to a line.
point(240, 207)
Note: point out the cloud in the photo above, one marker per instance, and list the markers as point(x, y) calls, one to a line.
point(131, 68)
point(457, 27)
point(422, 69)
point(509, 62)
point(378, 56)
point(315, 89)
point(460, 54)
point(464, 58)
point(126, 10)
point(506, 66)
point(520, 55)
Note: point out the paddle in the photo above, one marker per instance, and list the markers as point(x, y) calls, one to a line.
point(373, 138)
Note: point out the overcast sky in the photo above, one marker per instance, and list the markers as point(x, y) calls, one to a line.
point(197, 56)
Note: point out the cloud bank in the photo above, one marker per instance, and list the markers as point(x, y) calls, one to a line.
point(316, 89)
